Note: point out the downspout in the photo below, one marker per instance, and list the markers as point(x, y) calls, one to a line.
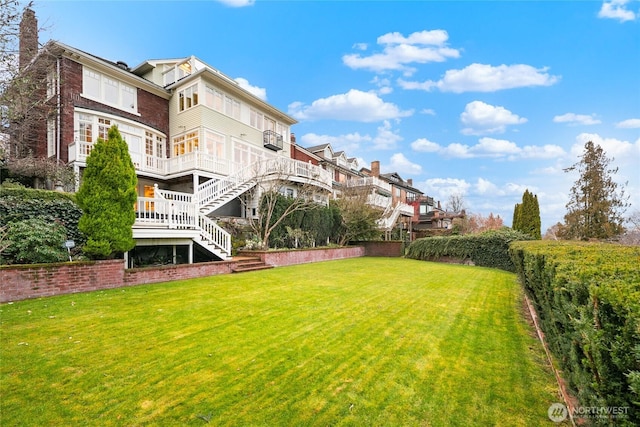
point(58, 111)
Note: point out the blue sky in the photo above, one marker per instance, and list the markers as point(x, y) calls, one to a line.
point(482, 98)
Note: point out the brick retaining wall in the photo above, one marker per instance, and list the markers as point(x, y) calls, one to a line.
point(18, 282)
point(43, 280)
point(291, 257)
point(384, 248)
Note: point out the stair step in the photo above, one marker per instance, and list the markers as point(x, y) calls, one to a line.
point(250, 265)
point(243, 269)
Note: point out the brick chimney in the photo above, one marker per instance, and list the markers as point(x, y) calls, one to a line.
point(410, 182)
point(293, 138)
point(375, 168)
point(28, 37)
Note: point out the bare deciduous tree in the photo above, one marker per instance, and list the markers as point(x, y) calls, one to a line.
point(278, 198)
point(28, 92)
point(358, 216)
point(455, 203)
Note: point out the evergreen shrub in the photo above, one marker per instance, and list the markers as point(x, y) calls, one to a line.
point(23, 204)
point(587, 296)
point(487, 249)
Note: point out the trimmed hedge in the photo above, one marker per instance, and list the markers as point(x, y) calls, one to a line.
point(487, 249)
point(587, 296)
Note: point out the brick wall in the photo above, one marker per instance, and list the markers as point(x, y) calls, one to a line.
point(18, 282)
point(388, 248)
point(42, 280)
point(282, 258)
point(166, 273)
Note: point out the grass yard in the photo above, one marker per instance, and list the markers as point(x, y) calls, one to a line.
point(357, 342)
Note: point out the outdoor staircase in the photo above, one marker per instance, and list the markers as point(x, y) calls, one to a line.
point(250, 264)
point(391, 214)
point(208, 197)
point(175, 210)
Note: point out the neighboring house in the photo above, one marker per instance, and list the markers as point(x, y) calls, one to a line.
point(399, 213)
point(389, 192)
point(344, 170)
point(431, 217)
point(200, 143)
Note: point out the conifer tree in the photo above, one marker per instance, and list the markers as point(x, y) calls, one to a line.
point(596, 207)
point(526, 215)
point(107, 196)
point(516, 217)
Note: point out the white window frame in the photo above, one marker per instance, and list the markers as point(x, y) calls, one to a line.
point(109, 90)
point(51, 137)
point(188, 98)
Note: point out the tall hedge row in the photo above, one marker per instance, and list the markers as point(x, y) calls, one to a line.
point(587, 296)
point(488, 249)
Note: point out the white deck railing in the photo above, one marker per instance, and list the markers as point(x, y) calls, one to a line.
point(215, 235)
point(154, 211)
point(373, 181)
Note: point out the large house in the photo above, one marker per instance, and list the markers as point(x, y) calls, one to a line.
point(200, 143)
point(203, 147)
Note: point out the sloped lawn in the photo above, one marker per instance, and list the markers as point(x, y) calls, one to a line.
point(358, 342)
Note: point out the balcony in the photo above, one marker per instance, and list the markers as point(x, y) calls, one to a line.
point(272, 141)
point(166, 168)
point(370, 181)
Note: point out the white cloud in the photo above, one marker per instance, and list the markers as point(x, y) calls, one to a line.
point(616, 9)
point(399, 51)
point(577, 119)
point(255, 90)
point(624, 152)
point(428, 111)
point(629, 124)
point(384, 85)
point(386, 137)
point(402, 165)
point(484, 186)
point(488, 188)
point(442, 188)
point(486, 78)
point(237, 3)
point(547, 151)
point(425, 146)
point(491, 148)
point(354, 105)
point(495, 147)
point(482, 118)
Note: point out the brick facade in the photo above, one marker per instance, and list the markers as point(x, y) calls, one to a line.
point(153, 110)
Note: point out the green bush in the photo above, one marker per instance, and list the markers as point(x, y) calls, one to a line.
point(20, 204)
point(587, 296)
point(488, 249)
point(34, 241)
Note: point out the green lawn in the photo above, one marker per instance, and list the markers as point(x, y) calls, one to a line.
point(358, 342)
